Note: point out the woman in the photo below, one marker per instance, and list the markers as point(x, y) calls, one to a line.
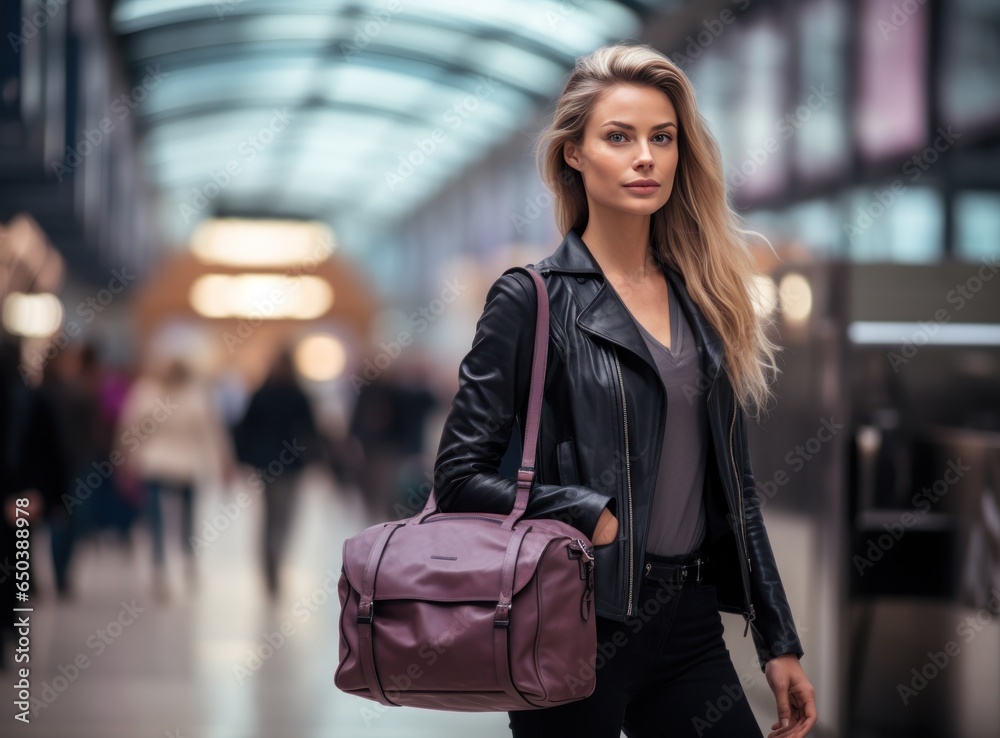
point(656, 357)
point(172, 440)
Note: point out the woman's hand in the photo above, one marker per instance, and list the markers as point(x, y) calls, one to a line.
point(606, 530)
point(795, 696)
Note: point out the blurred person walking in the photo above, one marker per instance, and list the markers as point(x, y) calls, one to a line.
point(33, 476)
point(71, 397)
point(115, 506)
point(173, 441)
point(277, 436)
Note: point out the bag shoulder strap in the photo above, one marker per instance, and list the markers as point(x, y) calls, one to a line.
point(526, 473)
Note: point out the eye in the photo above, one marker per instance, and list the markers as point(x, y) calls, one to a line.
point(611, 137)
point(664, 137)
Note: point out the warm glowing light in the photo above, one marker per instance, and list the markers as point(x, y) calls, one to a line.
point(263, 296)
point(36, 315)
point(262, 243)
point(796, 297)
point(320, 357)
point(764, 294)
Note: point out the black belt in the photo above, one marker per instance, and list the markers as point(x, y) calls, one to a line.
point(687, 570)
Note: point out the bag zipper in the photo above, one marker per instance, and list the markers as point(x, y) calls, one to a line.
point(628, 479)
point(452, 516)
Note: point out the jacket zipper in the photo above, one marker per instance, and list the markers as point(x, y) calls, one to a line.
point(743, 525)
point(628, 480)
point(739, 490)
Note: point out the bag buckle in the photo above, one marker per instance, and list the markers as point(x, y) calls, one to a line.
point(501, 619)
point(579, 550)
point(366, 613)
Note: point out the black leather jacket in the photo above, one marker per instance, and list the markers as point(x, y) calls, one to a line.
point(601, 435)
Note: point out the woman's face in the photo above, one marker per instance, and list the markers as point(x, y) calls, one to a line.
point(628, 154)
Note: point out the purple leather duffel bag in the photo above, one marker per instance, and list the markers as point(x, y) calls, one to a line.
point(468, 611)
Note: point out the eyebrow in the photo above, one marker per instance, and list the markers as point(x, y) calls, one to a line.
point(629, 127)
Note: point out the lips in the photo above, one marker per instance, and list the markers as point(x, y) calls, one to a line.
point(643, 186)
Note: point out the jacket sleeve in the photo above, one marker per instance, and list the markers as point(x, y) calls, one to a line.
point(773, 628)
point(493, 387)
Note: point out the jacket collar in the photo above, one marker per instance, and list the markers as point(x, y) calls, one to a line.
point(607, 316)
point(572, 257)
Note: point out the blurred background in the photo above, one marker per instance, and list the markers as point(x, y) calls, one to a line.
point(243, 248)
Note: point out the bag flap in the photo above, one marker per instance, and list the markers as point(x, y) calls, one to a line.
point(448, 558)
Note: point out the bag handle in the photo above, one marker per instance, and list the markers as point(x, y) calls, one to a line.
point(526, 473)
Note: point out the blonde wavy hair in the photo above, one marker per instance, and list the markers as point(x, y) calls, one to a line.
point(696, 232)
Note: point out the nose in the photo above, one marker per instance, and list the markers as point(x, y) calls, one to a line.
point(643, 157)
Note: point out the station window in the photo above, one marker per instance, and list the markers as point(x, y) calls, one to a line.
point(969, 93)
point(977, 225)
point(891, 94)
point(891, 222)
point(819, 123)
point(759, 163)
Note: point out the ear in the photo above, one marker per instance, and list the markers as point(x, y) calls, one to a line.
point(571, 153)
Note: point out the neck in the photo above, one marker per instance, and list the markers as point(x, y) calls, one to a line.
point(620, 244)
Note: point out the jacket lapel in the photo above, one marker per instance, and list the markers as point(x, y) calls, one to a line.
point(607, 317)
point(710, 346)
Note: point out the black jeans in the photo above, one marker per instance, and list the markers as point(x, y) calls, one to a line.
point(667, 674)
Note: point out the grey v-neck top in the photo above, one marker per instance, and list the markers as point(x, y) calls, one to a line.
point(677, 519)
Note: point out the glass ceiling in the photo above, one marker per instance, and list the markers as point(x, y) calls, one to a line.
point(343, 110)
